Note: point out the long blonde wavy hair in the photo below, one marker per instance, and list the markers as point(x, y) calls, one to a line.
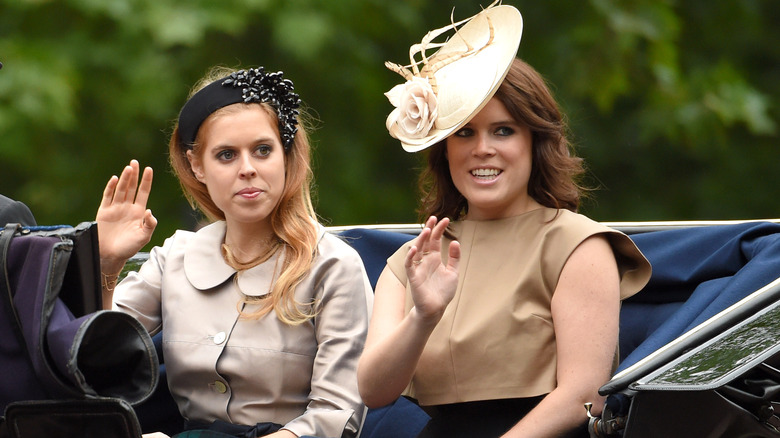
point(293, 221)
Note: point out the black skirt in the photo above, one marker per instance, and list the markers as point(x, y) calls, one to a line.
point(483, 419)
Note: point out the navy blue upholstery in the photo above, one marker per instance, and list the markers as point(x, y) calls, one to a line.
point(374, 247)
point(697, 272)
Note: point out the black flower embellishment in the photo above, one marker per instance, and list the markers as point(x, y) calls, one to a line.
point(258, 86)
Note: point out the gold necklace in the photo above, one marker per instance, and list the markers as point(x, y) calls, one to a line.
point(234, 263)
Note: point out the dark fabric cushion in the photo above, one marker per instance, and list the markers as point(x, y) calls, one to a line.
point(15, 212)
point(374, 247)
point(401, 419)
point(704, 270)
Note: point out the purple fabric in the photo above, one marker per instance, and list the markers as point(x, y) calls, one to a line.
point(62, 331)
point(28, 262)
point(49, 354)
point(17, 381)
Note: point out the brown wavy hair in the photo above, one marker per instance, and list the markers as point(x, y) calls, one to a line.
point(293, 221)
point(555, 170)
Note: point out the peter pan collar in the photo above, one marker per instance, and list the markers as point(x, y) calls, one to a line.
point(205, 268)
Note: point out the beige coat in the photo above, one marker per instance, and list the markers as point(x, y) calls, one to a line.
point(250, 371)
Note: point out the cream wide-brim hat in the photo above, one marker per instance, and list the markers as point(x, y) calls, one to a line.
point(463, 83)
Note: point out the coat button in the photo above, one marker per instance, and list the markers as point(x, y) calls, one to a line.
point(219, 338)
point(220, 387)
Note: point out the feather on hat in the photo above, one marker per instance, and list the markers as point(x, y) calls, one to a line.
point(444, 91)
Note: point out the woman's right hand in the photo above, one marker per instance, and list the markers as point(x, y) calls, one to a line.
point(433, 282)
point(125, 225)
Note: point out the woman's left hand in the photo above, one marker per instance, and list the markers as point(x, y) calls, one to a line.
point(432, 280)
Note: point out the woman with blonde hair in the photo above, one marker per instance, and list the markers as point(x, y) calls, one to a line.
point(263, 313)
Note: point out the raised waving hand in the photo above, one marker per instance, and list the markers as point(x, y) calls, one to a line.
point(125, 225)
point(433, 280)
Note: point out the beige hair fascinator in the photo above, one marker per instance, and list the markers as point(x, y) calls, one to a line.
point(444, 91)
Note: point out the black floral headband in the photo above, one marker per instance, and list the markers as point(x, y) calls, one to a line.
point(253, 85)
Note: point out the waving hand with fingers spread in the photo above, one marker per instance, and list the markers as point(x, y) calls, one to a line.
point(433, 281)
point(396, 339)
point(125, 225)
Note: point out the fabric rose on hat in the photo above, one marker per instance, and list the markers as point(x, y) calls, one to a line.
point(415, 110)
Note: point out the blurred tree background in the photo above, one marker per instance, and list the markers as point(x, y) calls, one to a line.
point(673, 104)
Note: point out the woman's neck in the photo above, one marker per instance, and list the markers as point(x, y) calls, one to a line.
point(517, 209)
point(249, 242)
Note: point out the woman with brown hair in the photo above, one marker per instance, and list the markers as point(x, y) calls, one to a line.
point(501, 317)
point(263, 313)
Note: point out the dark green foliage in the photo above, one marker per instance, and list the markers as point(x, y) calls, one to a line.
point(674, 104)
